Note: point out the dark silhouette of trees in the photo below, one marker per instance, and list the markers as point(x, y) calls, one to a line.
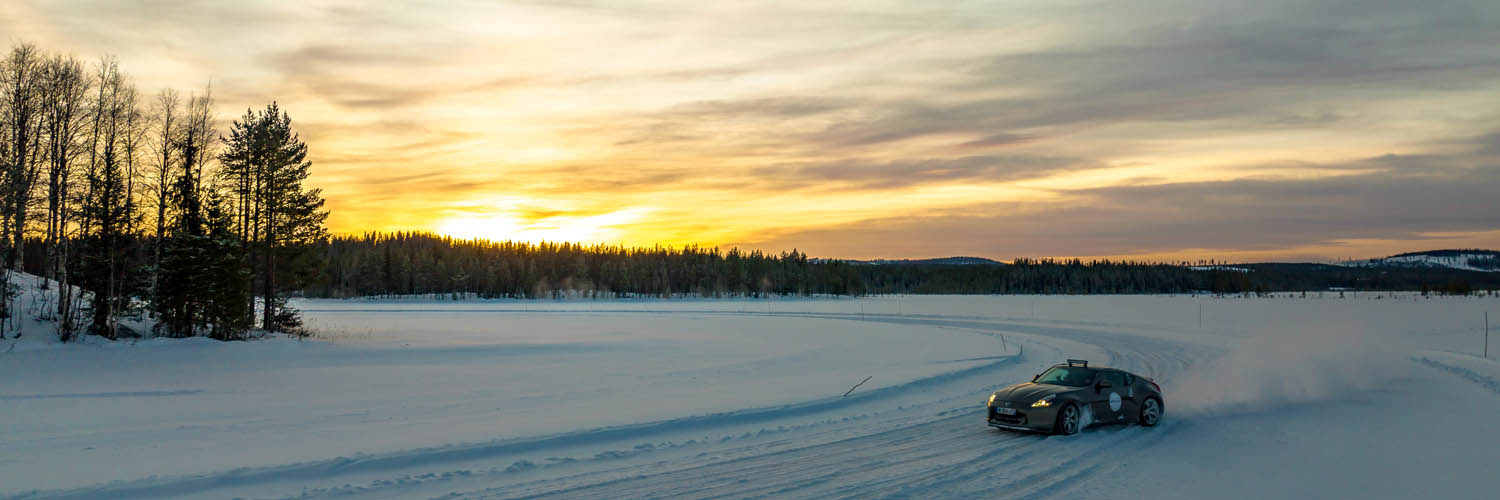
point(204, 281)
point(129, 216)
point(21, 78)
point(20, 141)
point(422, 263)
point(167, 141)
point(427, 264)
point(107, 214)
point(267, 162)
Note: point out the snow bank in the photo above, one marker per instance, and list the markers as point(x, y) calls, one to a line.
point(33, 324)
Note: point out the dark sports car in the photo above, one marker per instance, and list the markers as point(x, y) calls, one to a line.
point(1068, 397)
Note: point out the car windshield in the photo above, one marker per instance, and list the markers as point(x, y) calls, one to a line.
point(1071, 376)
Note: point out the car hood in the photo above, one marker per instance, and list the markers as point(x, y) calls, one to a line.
point(1030, 391)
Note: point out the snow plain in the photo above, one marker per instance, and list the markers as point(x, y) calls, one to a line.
point(1364, 396)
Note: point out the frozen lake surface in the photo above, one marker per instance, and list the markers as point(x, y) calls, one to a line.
point(1368, 395)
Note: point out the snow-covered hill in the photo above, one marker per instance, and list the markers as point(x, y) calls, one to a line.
point(1464, 260)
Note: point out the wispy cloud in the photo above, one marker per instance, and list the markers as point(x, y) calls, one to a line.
point(1162, 127)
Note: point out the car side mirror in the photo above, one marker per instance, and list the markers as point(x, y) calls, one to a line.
point(1034, 377)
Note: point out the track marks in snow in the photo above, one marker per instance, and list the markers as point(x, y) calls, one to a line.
point(835, 410)
point(1485, 381)
point(132, 394)
point(789, 466)
point(952, 455)
point(872, 444)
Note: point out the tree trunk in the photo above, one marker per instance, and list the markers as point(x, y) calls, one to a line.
point(269, 285)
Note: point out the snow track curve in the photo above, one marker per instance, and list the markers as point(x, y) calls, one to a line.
point(923, 438)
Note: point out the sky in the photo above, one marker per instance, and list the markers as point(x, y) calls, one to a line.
point(1151, 129)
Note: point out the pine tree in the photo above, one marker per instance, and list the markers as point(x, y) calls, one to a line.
point(177, 300)
point(265, 163)
point(227, 286)
point(202, 283)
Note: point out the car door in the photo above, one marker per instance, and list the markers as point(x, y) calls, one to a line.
point(1111, 401)
point(1098, 399)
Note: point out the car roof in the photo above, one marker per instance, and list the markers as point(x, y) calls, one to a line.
point(1091, 367)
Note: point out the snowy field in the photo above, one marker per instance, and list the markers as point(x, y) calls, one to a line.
point(1365, 396)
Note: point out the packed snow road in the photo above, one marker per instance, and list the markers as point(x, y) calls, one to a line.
point(741, 399)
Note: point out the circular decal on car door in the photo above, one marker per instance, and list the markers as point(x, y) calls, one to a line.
point(1114, 401)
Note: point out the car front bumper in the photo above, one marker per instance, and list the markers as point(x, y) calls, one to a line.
point(1025, 419)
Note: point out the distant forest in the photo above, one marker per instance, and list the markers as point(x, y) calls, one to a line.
point(422, 263)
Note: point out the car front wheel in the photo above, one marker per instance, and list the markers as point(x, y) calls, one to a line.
point(1068, 420)
point(1150, 413)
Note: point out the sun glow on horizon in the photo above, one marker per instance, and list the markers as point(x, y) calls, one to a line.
point(513, 225)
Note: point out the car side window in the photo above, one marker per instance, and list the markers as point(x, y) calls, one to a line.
point(1116, 379)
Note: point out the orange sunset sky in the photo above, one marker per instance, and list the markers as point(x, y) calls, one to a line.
point(1232, 130)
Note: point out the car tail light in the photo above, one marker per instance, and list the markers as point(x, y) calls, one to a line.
point(1153, 384)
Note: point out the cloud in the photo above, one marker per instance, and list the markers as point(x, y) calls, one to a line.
point(888, 175)
point(885, 129)
point(1202, 65)
point(1407, 200)
point(348, 74)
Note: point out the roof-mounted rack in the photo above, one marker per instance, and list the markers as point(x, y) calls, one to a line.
point(1078, 362)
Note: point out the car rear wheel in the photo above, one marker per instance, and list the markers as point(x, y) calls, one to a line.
point(1150, 413)
point(1068, 420)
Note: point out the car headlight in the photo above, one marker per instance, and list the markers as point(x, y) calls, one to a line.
point(992, 400)
point(1044, 402)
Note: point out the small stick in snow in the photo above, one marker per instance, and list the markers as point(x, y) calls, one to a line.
point(856, 386)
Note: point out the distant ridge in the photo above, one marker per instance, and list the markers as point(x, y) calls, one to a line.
point(1481, 260)
point(1460, 259)
point(1450, 253)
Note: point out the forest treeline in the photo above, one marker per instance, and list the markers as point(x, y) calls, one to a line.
point(423, 263)
point(132, 204)
point(426, 264)
point(1073, 276)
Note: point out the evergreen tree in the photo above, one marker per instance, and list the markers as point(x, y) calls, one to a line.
point(177, 301)
point(227, 288)
point(203, 282)
point(266, 163)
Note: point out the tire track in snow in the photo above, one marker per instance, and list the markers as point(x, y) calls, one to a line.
point(941, 457)
point(785, 470)
point(436, 456)
point(895, 452)
point(1487, 382)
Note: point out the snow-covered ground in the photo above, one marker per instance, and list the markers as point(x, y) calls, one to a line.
point(1369, 395)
